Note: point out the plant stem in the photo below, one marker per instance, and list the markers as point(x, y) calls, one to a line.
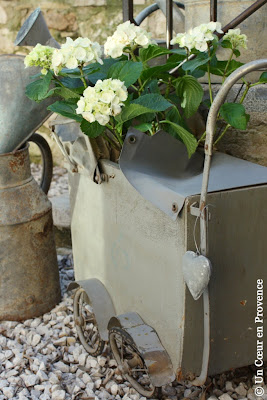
point(202, 137)
point(168, 89)
point(58, 81)
point(113, 144)
point(210, 91)
point(131, 52)
point(227, 65)
point(134, 87)
point(82, 76)
point(222, 134)
point(112, 129)
point(245, 93)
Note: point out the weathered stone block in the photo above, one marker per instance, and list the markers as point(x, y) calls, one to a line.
point(86, 3)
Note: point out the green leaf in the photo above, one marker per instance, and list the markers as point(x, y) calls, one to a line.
point(263, 77)
point(144, 127)
point(151, 87)
point(219, 67)
point(200, 59)
point(226, 44)
point(67, 109)
point(198, 73)
point(37, 90)
point(92, 129)
point(71, 73)
point(235, 115)
point(151, 52)
point(180, 133)
point(155, 72)
point(153, 101)
point(190, 92)
point(99, 71)
point(149, 103)
point(175, 58)
point(144, 118)
point(126, 71)
point(182, 52)
point(237, 52)
point(71, 83)
point(63, 92)
point(173, 115)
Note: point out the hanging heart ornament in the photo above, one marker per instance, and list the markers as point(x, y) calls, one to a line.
point(197, 272)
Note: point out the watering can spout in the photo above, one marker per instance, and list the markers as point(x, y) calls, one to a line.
point(34, 30)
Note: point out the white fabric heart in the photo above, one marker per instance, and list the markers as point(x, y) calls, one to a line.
point(197, 272)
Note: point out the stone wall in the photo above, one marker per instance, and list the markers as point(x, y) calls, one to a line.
point(95, 19)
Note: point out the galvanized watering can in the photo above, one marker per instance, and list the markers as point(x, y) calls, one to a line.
point(29, 279)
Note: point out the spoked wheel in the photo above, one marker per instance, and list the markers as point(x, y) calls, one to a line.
point(86, 325)
point(130, 362)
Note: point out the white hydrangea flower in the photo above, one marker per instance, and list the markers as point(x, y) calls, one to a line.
point(75, 53)
point(126, 35)
point(199, 37)
point(40, 56)
point(236, 39)
point(102, 101)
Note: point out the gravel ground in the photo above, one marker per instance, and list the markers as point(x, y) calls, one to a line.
point(59, 184)
point(42, 358)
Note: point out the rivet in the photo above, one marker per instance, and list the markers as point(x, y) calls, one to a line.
point(174, 207)
point(132, 139)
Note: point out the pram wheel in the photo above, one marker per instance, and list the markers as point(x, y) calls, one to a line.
point(86, 325)
point(131, 363)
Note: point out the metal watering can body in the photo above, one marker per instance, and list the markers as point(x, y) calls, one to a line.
point(20, 117)
point(29, 278)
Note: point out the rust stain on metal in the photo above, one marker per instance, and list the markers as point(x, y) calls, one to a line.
point(17, 162)
point(174, 207)
point(179, 375)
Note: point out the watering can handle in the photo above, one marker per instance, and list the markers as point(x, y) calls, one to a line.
point(47, 158)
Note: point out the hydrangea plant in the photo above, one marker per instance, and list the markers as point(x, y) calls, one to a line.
point(108, 95)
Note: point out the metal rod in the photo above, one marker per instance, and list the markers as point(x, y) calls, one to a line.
point(210, 129)
point(244, 15)
point(127, 10)
point(213, 10)
point(169, 22)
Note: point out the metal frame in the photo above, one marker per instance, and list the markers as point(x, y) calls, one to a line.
point(127, 6)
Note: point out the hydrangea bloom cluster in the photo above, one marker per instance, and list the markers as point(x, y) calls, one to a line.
point(102, 101)
point(40, 56)
point(236, 39)
point(75, 53)
point(199, 37)
point(126, 35)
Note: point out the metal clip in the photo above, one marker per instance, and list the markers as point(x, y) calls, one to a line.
point(195, 211)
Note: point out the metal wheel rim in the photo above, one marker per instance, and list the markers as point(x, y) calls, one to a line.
point(78, 301)
point(117, 355)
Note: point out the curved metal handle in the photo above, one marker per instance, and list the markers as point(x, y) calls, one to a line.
point(47, 172)
point(210, 129)
point(211, 121)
